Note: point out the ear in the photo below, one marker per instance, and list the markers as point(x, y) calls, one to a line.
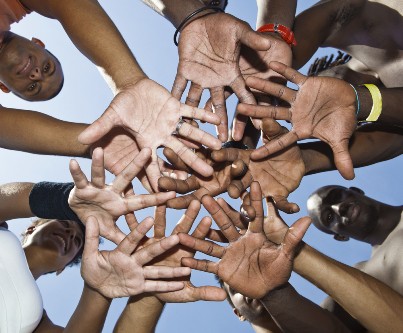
point(358, 190)
point(29, 230)
point(341, 238)
point(3, 88)
point(59, 271)
point(38, 42)
point(238, 314)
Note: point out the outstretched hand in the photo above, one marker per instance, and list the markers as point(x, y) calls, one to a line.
point(250, 264)
point(123, 271)
point(209, 50)
point(322, 108)
point(150, 113)
point(106, 202)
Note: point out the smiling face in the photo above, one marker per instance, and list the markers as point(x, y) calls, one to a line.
point(28, 69)
point(59, 241)
point(343, 211)
point(244, 307)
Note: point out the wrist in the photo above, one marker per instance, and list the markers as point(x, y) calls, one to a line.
point(281, 30)
point(367, 102)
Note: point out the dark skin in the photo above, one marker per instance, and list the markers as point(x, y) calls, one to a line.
point(323, 108)
point(213, 185)
point(249, 257)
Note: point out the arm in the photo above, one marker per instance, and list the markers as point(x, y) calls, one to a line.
point(142, 312)
point(375, 305)
point(295, 313)
point(370, 144)
point(314, 26)
point(14, 201)
point(276, 11)
point(40, 134)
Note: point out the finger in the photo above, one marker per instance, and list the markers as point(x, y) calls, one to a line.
point(151, 286)
point(152, 251)
point(259, 111)
point(129, 244)
point(179, 86)
point(91, 238)
point(174, 159)
point(226, 155)
point(239, 220)
point(294, 236)
point(209, 293)
point(342, 159)
point(254, 40)
point(219, 108)
point(200, 265)
point(272, 129)
point(160, 221)
point(223, 221)
point(97, 168)
point(203, 228)
point(217, 236)
point(289, 73)
point(153, 171)
point(238, 126)
point(238, 186)
point(178, 185)
point(275, 145)
point(274, 89)
point(100, 127)
point(186, 221)
point(131, 221)
point(165, 272)
point(201, 245)
point(256, 224)
point(190, 158)
point(195, 113)
point(148, 200)
point(284, 205)
point(124, 178)
point(181, 202)
point(194, 95)
point(79, 178)
point(238, 169)
point(114, 234)
point(197, 135)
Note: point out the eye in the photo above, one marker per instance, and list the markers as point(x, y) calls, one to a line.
point(32, 86)
point(46, 68)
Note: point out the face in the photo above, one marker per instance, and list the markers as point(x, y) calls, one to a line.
point(249, 308)
point(59, 240)
point(343, 211)
point(28, 70)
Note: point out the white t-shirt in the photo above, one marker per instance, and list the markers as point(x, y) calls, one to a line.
point(20, 300)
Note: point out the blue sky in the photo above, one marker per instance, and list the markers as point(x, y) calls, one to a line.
point(85, 96)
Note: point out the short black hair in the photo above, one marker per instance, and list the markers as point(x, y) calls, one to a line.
point(324, 63)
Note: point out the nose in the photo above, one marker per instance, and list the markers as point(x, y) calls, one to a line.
point(36, 74)
point(336, 208)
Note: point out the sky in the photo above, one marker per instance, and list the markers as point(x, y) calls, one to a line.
point(84, 98)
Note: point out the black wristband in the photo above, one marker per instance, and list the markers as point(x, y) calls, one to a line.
point(50, 201)
point(190, 16)
point(235, 144)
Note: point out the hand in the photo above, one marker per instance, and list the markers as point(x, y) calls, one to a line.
point(278, 175)
point(151, 115)
point(323, 108)
point(213, 185)
point(209, 49)
point(250, 264)
point(106, 202)
point(172, 258)
point(123, 271)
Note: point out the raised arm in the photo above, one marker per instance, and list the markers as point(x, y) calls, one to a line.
point(14, 201)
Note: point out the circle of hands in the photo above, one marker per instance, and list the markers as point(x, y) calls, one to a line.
point(144, 116)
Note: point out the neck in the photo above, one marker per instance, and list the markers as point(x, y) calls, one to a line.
point(389, 218)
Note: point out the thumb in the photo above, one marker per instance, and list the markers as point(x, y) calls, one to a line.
point(91, 237)
point(99, 127)
point(294, 236)
point(342, 160)
point(255, 40)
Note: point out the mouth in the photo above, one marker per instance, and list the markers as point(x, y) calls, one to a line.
point(25, 68)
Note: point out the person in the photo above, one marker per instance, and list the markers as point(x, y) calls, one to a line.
point(348, 213)
point(28, 69)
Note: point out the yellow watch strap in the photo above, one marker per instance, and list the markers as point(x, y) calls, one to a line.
point(376, 109)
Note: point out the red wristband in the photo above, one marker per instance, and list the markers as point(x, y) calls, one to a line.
point(286, 34)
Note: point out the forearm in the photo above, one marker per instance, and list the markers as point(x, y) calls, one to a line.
point(374, 304)
point(96, 36)
point(90, 313)
point(370, 144)
point(276, 11)
point(37, 133)
point(14, 201)
point(293, 313)
point(140, 315)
